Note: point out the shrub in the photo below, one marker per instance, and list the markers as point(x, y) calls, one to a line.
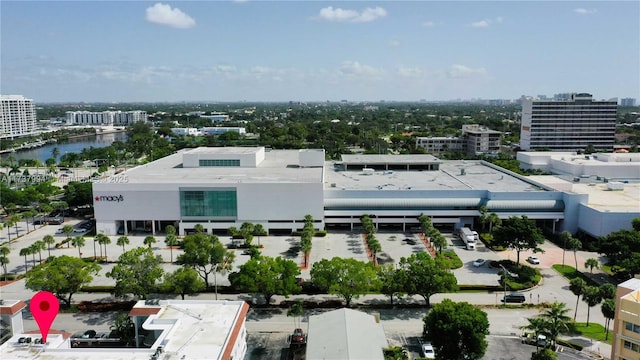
point(90, 306)
point(450, 258)
point(487, 239)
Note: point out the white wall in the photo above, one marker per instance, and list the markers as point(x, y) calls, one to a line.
point(599, 223)
point(280, 201)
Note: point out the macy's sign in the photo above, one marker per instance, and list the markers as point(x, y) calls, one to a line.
point(110, 198)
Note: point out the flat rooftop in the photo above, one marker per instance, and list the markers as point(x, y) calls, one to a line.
point(279, 166)
point(600, 197)
point(388, 159)
point(477, 176)
point(196, 329)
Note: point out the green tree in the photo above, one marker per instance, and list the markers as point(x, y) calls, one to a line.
point(391, 281)
point(538, 326)
point(494, 220)
point(26, 251)
point(545, 354)
point(67, 230)
point(8, 224)
point(38, 246)
point(124, 329)
point(122, 241)
point(375, 248)
point(102, 239)
point(590, 264)
point(556, 319)
point(207, 255)
point(137, 272)
point(4, 259)
point(171, 241)
point(15, 220)
point(258, 230)
point(49, 240)
point(267, 276)
point(296, 310)
point(426, 276)
point(170, 230)
point(577, 287)
point(55, 153)
point(79, 242)
point(246, 230)
point(592, 297)
point(345, 277)
point(484, 215)
point(62, 276)
point(608, 309)
point(607, 291)
point(183, 281)
point(149, 240)
point(439, 242)
point(199, 229)
point(456, 330)
point(575, 245)
point(519, 233)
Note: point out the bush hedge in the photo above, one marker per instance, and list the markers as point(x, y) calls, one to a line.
point(450, 258)
point(487, 239)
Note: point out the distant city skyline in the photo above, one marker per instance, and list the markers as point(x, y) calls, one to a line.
point(137, 51)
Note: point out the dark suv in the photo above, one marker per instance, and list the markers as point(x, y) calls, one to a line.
point(514, 298)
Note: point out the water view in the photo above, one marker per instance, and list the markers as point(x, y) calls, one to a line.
point(72, 145)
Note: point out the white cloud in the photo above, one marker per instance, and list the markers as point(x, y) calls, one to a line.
point(164, 15)
point(583, 11)
point(428, 24)
point(394, 43)
point(409, 72)
point(457, 71)
point(346, 15)
point(486, 22)
point(355, 69)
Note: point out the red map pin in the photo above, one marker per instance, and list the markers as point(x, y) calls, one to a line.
point(44, 306)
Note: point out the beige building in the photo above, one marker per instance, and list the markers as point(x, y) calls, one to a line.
point(626, 327)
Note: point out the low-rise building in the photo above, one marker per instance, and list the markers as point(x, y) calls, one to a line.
point(164, 329)
point(626, 323)
point(475, 140)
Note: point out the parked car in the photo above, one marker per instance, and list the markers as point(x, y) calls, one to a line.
point(427, 351)
point(531, 339)
point(479, 262)
point(533, 260)
point(298, 337)
point(514, 298)
point(79, 230)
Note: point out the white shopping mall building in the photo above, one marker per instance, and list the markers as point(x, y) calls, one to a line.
point(227, 186)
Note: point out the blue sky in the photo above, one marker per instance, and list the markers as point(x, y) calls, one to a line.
point(128, 51)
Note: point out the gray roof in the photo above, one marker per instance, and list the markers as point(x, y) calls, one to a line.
point(389, 159)
point(345, 334)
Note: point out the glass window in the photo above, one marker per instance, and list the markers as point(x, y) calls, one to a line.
point(219, 162)
point(632, 327)
point(215, 203)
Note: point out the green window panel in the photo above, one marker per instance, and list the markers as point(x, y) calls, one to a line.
point(219, 162)
point(220, 203)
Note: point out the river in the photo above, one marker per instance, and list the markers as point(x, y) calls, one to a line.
point(72, 145)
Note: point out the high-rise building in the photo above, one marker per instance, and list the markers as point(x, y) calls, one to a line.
point(626, 323)
point(627, 102)
point(568, 125)
point(18, 116)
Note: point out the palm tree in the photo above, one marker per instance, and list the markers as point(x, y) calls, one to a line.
point(4, 261)
point(375, 248)
point(103, 240)
point(106, 241)
point(575, 245)
point(55, 153)
point(171, 241)
point(16, 219)
point(439, 241)
point(24, 252)
point(577, 286)
point(494, 220)
point(199, 228)
point(8, 224)
point(122, 241)
point(591, 263)
point(39, 246)
point(33, 249)
point(149, 240)
point(556, 319)
point(538, 326)
point(592, 297)
point(258, 230)
point(67, 230)
point(608, 309)
point(78, 242)
point(49, 240)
